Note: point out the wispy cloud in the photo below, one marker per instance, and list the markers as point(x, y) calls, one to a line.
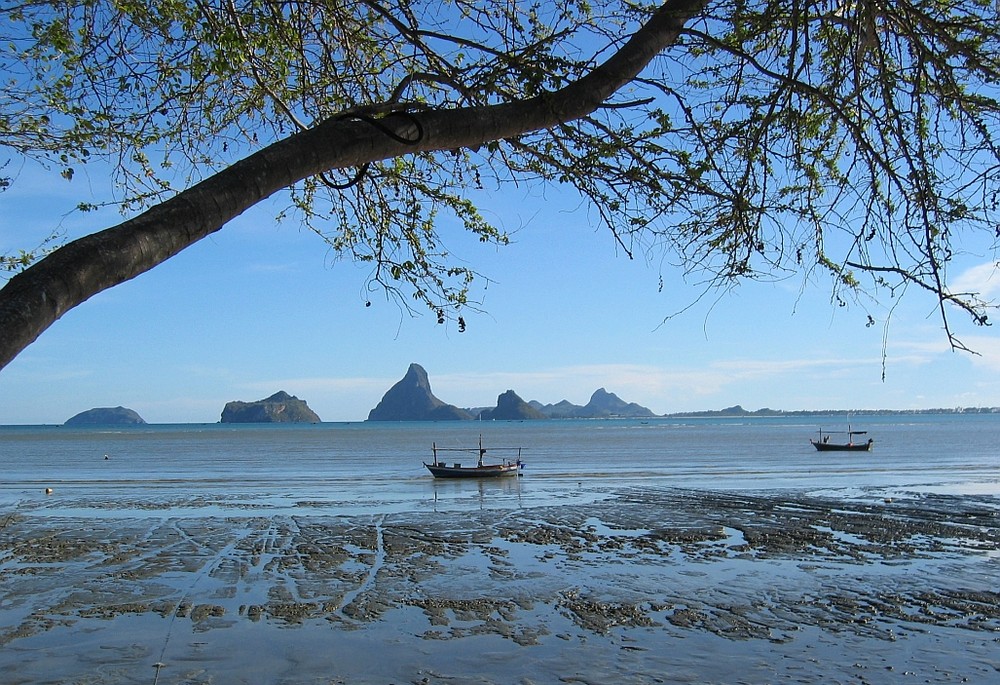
point(987, 350)
point(43, 370)
point(273, 267)
point(573, 383)
point(983, 279)
point(318, 384)
point(660, 388)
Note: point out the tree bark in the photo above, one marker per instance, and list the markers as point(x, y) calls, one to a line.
point(34, 299)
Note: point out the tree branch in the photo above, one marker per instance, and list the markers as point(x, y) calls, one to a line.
point(34, 299)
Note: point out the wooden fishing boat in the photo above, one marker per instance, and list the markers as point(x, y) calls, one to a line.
point(507, 467)
point(824, 444)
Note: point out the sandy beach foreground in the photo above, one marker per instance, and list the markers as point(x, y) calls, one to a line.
point(644, 586)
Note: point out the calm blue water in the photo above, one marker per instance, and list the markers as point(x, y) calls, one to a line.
point(246, 487)
point(356, 467)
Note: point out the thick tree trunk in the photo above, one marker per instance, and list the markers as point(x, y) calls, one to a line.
point(32, 300)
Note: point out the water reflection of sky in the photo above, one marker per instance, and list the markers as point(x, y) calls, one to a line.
point(353, 469)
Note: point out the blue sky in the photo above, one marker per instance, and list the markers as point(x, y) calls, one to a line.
point(261, 307)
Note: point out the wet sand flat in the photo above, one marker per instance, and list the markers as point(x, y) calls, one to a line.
point(646, 586)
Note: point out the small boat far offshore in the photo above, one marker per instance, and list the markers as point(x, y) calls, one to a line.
point(824, 444)
point(507, 467)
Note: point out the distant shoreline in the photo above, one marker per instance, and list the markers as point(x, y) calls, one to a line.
point(731, 412)
point(741, 412)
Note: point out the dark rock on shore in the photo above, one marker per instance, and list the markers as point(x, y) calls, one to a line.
point(106, 416)
point(510, 407)
point(278, 408)
point(411, 399)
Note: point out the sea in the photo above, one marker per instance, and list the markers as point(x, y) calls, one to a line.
point(366, 467)
point(706, 551)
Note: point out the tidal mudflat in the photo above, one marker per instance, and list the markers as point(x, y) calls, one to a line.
point(644, 585)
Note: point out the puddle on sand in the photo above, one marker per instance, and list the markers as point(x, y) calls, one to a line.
point(661, 585)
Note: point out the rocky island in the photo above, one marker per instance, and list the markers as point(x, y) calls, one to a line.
point(106, 416)
point(278, 408)
point(510, 407)
point(602, 405)
point(411, 399)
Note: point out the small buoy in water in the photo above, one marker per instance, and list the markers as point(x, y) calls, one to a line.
point(48, 491)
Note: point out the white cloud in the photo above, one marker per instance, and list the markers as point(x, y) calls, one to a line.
point(644, 384)
point(661, 388)
point(987, 350)
point(983, 279)
point(754, 383)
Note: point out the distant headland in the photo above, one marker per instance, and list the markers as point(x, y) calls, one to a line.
point(278, 408)
point(106, 416)
point(737, 410)
point(411, 399)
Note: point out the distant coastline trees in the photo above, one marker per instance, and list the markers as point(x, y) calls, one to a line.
point(741, 140)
